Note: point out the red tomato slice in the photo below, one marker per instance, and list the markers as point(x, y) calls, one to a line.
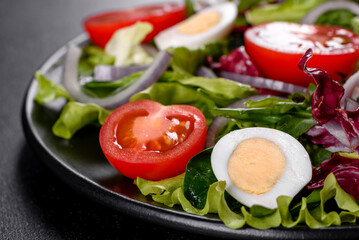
point(100, 27)
point(276, 48)
point(148, 140)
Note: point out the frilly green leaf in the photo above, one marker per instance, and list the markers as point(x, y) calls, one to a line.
point(170, 193)
point(75, 116)
point(49, 91)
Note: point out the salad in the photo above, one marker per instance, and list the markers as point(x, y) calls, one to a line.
point(246, 110)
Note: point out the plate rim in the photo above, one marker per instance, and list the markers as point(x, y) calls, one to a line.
point(163, 216)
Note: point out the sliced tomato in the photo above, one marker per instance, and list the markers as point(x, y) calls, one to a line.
point(148, 140)
point(100, 27)
point(276, 48)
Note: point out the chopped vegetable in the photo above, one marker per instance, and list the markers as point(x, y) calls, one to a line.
point(339, 13)
point(265, 84)
point(101, 89)
point(125, 46)
point(289, 11)
point(75, 116)
point(148, 140)
point(101, 27)
point(276, 48)
point(345, 170)
point(203, 93)
point(48, 91)
point(219, 124)
point(341, 127)
point(238, 62)
point(210, 24)
point(291, 117)
point(74, 88)
point(105, 73)
point(91, 57)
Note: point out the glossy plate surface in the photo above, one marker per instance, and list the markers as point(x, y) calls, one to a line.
point(81, 164)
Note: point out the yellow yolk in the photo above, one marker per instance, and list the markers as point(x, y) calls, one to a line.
point(200, 23)
point(255, 165)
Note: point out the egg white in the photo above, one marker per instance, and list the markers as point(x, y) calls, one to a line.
point(296, 175)
point(172, 38)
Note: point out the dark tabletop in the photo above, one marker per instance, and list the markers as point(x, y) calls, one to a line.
point(34, 203)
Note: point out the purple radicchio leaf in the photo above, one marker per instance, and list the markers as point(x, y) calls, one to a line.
point(327, 95)
point(345, 170)
point(238, 61)
point(341, 125)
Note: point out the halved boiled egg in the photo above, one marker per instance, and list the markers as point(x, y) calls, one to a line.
point(210, 24)
point(261, 164)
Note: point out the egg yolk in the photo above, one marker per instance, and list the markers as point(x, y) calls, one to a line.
point(200, 23)
point(255, 165)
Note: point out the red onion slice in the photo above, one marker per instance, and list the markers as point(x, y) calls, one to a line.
point(219, 122)
point(72, 85)
point(259, 82)
point(312, 16)
point(349, 88)
point(351, 104)
point(206, 72)
point(108, 73)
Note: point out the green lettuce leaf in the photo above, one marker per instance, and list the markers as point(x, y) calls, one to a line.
point(49, 91)
point(75, 116)
point(347, 208)
point(222, 91)
point(338, 17)
point(203, 93)
point(245, 5)
point(185, 62)
point(125, 45)
point(198, 192)
point(294, 118)
point(169, 93)
point(288, 11)
point(92, 56)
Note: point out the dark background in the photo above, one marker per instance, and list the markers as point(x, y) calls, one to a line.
point(34, 203)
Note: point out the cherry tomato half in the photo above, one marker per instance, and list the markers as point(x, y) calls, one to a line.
point(100, 27)
point(276, 48)
point(148, 140)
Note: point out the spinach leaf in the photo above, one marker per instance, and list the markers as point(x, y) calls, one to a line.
point(105, 89)
point(294, 118)
point(199, 176)
point(198, 179)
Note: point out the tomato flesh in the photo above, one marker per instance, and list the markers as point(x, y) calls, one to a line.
point(153, 133)
point(101, 27)
point(148, 140)
point(276, 48)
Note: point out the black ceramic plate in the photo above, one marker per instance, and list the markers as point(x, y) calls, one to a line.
point(81, 164)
